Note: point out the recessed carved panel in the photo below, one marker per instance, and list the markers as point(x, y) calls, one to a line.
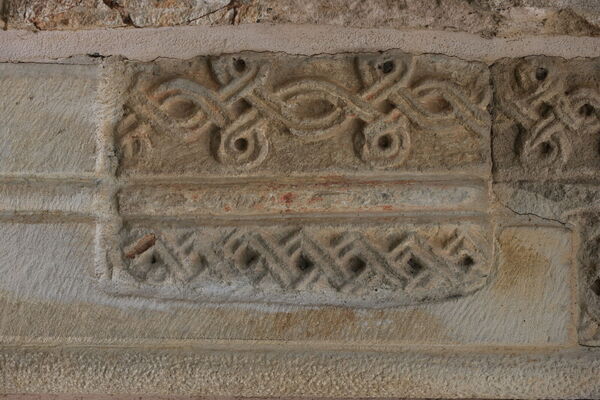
point(369, 265)
point(282, 115)
point(547, 118)
point(238, 160)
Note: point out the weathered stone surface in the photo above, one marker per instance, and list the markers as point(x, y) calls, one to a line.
point(588, 258)
point(253, 114)
point(546, 123)
point(338, 212)
point(485, 17)
point(560, 201)
point(78, 14)
point(382, 373)
point(369, 265)
point(194, 245)
point(546, 151)
point(49, 120)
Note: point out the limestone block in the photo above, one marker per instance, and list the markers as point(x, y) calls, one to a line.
point(54, 297)
point(49, 120)
point(297, 127)
point(250, 224)
point(508, 302)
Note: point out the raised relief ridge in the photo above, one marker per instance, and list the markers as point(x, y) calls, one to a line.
point(259, 178)
point(546, 143)
point(547, 120)
point(371, 265)
point(235, 114)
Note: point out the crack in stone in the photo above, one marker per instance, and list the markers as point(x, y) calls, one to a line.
point(225, 7)
point(527, 214)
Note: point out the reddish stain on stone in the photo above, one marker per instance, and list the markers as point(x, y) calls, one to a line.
point(314, 199)
point(288, 198)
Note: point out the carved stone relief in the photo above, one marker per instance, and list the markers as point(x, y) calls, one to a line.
point(402, 205)
point(381, 265)
point(546, 149)
point(302, 129)
point(281, 115)
point(546, 119)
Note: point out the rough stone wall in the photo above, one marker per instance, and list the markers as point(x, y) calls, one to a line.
point(386, 223)
point(488, 18)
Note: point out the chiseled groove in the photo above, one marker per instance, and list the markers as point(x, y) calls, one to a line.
point(40, 178)
point(46, 216)
point(457, 179)
point(259, 345)
point(317, 218)
point(34, 196)
point(401, 198)
point(297, 183)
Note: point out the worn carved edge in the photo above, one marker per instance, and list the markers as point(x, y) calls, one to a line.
point(552, 115)
point(232, 106)
point(232, 100)
point(588, 257)
point(382, 265)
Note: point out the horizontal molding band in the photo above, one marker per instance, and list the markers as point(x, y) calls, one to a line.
point(569, 373)
point(186, 42)
point(276, 199)
point(323, 218)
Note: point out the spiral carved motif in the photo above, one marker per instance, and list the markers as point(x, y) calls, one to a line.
point(550, 112)
point(239, 106)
